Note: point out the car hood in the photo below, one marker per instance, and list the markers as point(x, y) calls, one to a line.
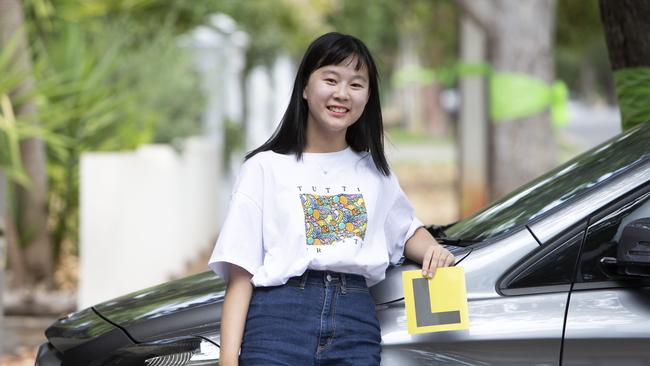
point(190, 305)
point(82, 328)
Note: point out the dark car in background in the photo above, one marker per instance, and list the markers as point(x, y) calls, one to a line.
point(557, 273)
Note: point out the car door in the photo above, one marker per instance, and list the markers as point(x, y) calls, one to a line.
point(608, 319)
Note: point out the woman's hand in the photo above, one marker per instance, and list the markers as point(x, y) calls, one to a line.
point(423, 248)
point(436, 256)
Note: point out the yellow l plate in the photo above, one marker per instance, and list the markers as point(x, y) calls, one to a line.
point(435, 304)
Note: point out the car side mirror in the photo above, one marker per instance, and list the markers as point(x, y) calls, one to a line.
point(633, 253)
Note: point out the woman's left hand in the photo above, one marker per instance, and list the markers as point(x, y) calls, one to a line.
point(421, 247)
point(435, 256)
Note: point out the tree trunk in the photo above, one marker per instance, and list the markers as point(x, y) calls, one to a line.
point(521, 41)
point(32, 203)
point(473, 128)
point(626, 25)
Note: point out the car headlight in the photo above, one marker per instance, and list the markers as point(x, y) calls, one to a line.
point(206, 354)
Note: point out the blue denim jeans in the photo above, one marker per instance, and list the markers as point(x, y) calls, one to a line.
point(320, 318)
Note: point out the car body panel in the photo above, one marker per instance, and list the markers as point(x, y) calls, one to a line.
point(488, 263)
point(76, 329)
point(191, 305)
point(519, 330)
point(47, 355)
point(496, 321)
point(608, 327)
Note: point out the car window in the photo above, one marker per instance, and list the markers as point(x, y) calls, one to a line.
point(562, 184)
point(549, 269)
point(604, 233)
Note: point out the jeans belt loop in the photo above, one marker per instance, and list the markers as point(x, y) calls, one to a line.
point(343, 284)
point(303, 279)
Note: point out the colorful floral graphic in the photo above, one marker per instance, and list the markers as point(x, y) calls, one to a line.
point(329, 219)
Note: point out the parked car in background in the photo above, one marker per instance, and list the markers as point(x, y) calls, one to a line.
point(557, 273)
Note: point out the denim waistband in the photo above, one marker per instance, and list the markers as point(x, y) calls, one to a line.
point(329, 278)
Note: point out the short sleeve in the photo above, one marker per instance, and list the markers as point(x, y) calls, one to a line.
point(401, 223)
point(240, 240)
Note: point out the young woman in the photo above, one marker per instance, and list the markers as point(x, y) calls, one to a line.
point(315, 218)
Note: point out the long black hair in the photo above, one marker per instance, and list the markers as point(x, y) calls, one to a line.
point(366, 134)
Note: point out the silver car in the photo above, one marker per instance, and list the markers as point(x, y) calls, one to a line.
point(557, 273)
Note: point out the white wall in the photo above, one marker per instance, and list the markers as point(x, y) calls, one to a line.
point(267, 96)
point(144, 215)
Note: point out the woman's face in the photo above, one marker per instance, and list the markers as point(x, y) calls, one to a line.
point(336, 96)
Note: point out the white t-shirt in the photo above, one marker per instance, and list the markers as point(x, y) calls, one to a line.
point(329, 211)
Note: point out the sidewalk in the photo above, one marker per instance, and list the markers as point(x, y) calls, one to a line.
point(21, 336)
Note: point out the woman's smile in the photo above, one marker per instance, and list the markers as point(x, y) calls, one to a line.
point(338, 111)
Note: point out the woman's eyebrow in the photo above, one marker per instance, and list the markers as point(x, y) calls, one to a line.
point(357, 76)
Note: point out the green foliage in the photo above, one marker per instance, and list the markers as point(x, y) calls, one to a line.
point(580, 50)
point(273, 25)
point(10, 161)
point(382, 24)
point(375, 23)
point(13, 129)
point(278, 26)
point(104, 81)
point(578, 26)
point(233, 140)
point(633, 87)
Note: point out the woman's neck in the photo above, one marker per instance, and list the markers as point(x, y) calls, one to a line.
point(325, 145)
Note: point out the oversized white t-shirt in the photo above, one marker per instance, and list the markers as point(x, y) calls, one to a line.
point(328, 211)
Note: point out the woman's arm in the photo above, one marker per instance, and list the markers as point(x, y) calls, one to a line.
point(233, 314)
point(423, 248)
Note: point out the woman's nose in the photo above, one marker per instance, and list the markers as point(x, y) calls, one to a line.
point(341, 91)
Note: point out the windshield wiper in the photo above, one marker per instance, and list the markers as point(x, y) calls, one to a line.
point(457, 242)
point(438, 232)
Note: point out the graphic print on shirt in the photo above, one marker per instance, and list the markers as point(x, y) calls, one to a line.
point(332, 219)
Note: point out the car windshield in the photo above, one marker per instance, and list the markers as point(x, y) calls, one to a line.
point(555, 187)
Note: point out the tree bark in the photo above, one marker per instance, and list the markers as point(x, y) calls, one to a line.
point(520, 35)
point(627, 26)
point(32, 203)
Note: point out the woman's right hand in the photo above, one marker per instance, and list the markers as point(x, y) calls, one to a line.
point(233, 314)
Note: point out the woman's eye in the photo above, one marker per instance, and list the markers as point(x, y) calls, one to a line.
point(330, 81)
point(358, 86)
